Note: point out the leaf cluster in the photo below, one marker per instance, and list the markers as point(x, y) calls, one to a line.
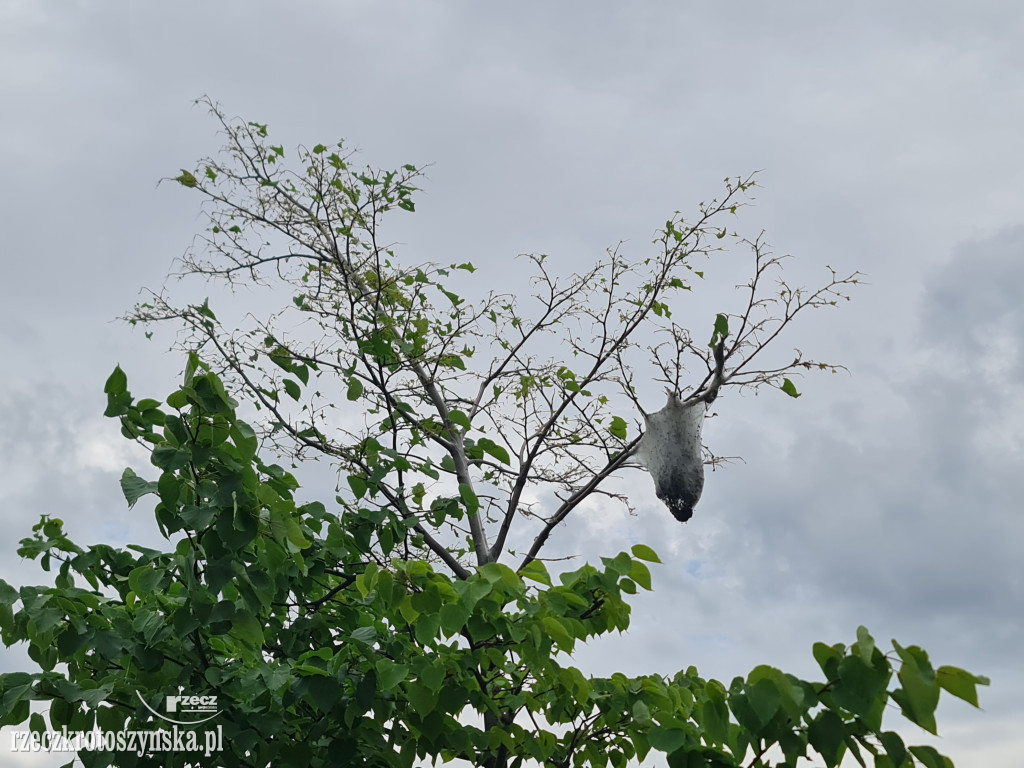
point(323, 651)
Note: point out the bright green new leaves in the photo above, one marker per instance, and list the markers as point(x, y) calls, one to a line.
point(187, 179)
point(789, 388)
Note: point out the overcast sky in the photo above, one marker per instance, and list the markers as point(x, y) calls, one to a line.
point(889, 139)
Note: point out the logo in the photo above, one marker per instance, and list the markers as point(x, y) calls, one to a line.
point(185, 705)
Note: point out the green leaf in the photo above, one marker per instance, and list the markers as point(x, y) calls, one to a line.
point(144, 579)
point(643, 552)
point(422, 698)
point(292, 388)
point(556, 630)
point(789, 388)
point(618, 427)
point(285, 528)
point(186, 179)
point(920, 693)
point(715, 713)
point(364, 634)
point(930, 757)
point(8, 594)
point(721, 330)
point(453, 618)
point(865, 645)
point(451, 361)
point(134, 487)
point(355, 389)
point(495, 450)
point(247, 628)
point(469, 499)
point(191, 366)
point(244, 438)
point(178, 400)
point(427, 627)
point(862, 689)
point(894, 747)
point(459, 419)
point(535, 570)
point(640, 573)
point(204, 309)
point(666, 739)
point(433, 676)
point(169, 458)
point(641, 712)
point(309, 670)
point(358, 485)
point(828, 658)
point(826, 734)
point(764, 699)
point(960, 683)
point(390, 673)
point(117, 382)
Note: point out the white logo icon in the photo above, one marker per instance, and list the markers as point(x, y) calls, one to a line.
point(186, 705)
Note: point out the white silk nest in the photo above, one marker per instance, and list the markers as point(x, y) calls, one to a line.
point(670, 450)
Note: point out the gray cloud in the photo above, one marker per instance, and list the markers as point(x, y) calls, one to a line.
point(889, 138)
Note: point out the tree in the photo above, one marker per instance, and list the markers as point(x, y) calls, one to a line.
point(414, 618)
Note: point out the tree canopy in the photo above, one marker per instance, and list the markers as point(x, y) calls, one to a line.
point(413, 618)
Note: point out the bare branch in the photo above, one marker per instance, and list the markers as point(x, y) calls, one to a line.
point(442, 407)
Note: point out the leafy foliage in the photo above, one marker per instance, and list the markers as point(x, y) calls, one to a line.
point(322, 652)
point(413, 619)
